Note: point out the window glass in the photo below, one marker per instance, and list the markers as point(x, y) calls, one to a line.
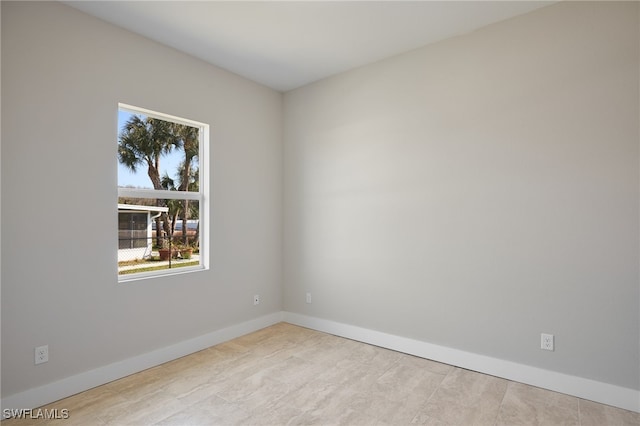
point(161, 193)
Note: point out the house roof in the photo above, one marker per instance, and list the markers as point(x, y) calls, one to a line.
point(135, 207)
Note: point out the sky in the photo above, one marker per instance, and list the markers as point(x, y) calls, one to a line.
point(168, 163)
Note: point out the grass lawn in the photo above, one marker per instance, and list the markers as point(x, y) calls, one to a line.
point(159, 267)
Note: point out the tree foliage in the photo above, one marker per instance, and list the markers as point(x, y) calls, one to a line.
point(143, 141)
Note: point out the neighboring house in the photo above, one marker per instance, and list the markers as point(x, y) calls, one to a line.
point(135, 239)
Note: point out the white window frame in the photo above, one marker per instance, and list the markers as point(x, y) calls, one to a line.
point(202, 196)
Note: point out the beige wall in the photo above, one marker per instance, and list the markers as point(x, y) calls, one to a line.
point(471, 194)
point(477, 192)
point(63, 74)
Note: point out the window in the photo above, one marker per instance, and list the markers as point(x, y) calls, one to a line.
point(132, 229)
point(162, 194)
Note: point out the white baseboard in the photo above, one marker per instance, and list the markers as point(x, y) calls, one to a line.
point(51, 392)
point(628, 399)
point(604, 393)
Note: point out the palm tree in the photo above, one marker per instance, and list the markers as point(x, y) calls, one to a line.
point(175, 206)
point(189, 140)
point(142, 141)
point(182, 208)
point(191, 209)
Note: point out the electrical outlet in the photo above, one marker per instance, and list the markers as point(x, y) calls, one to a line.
point(42, 354)
point(546, 342)
point(308, 297)
point(256, 299)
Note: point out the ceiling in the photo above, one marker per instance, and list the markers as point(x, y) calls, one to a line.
point(288, 44)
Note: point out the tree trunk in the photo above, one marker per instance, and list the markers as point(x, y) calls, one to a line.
point(185, 220)
point(158, 232)
point(197, 236)
point(167, 226)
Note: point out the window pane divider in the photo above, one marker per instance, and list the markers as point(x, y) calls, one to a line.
point(155, 193)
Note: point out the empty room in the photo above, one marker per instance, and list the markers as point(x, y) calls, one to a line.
point(320, 212)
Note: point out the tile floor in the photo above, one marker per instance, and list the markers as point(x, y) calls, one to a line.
point(289, 375)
